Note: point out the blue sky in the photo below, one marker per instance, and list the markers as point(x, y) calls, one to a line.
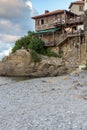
point(50, 5)
point(15, 18)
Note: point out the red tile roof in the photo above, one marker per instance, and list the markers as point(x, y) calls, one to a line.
point(48, 14)
point(51, 13)
point(76, 2)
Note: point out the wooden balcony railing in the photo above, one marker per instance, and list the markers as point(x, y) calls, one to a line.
point(64, 37)
point(69, 21)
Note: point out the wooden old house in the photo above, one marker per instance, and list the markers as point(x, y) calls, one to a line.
point(53, 27)
point(50, 25)
point(60, 30)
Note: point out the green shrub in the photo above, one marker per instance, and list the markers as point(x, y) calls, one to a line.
point(22, 42)
point(31, 41)
point(85, 68)
point(35, 56)
point(37, 45)
point(51, 53)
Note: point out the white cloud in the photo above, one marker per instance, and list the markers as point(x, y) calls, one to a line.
point(12, 8)
point(8, 27)
point(5, 49)
point(6, 44)
point(5, 53)
point(29, 4)
point(8, 38)
point(15, 21)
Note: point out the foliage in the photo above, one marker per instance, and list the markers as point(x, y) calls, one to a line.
point(37, 45)
point(23, 42)
point(51, 53)
point(35, 56)
point(85, 68)
point(33, 42)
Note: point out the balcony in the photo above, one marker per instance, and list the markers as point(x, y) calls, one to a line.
point(69, 21)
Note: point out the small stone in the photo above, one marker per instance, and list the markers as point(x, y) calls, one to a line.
point(52, 89)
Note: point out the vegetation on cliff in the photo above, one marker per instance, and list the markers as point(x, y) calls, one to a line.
point(85, 68)
point(33, 42)
point(35, 56)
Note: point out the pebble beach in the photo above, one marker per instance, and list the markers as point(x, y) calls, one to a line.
point(51, 103)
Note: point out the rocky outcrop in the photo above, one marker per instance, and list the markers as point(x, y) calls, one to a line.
point(21, 64)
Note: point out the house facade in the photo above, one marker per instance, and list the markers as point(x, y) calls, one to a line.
point(50, 25)
point(77, 7)
point(85, 5)
point(61, 31)
point(48, 19)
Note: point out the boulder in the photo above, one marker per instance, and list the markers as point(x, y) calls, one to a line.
point(20, 63)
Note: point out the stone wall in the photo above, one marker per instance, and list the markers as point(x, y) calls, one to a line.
point(74, 53)
point(48, 21)
point(70, 52)
point(50, 37)
point(55, 49)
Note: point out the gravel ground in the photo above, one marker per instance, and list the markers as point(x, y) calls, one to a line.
point(55, 103)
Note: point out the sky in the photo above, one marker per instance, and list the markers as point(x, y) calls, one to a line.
point(15, 19)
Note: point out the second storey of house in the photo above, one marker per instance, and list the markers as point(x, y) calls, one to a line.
point(48, 19)
point(77, 7)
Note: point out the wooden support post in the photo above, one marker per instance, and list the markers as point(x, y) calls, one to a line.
point(85, 42)
point(79, 49)
point(57, 49)
point(72, 30)
point(86, 46)
point(53, 37)
point(42, 36)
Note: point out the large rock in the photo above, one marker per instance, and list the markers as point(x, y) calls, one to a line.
point(21, 64)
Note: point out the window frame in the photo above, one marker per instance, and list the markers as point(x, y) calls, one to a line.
point(42, 21)
point(80, 8)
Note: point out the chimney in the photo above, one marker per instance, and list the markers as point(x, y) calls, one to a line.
point(46, 11)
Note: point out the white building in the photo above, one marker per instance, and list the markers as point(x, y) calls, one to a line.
point(85, 5)
point(77, 7)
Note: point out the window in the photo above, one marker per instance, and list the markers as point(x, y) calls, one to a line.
point(38, 22)
point(59, 16)
point(80, 8)
point(42, 21)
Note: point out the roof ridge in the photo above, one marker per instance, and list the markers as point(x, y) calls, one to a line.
point(50, 13)
point(76, 2)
